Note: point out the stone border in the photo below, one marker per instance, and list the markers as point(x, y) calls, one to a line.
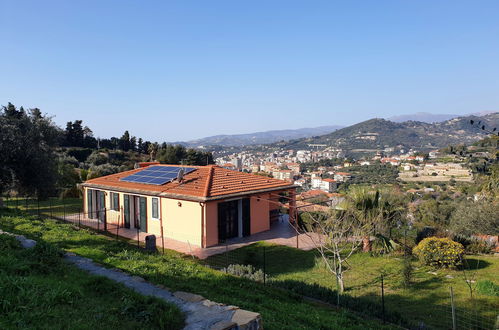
point(200, 312)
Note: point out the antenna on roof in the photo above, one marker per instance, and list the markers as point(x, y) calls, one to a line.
point(180, 176)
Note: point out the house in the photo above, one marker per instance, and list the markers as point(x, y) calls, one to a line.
point(202, 206)
point(283, 174)
point(294, 167)
point(329, 185)
point(342, 176)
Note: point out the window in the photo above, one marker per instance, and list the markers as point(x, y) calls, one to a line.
point(115, 201)
point(155, 210)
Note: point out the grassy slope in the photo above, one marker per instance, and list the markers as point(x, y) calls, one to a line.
point(38, 290)
point(279, 309)
point(52, 206)
point(421, 301)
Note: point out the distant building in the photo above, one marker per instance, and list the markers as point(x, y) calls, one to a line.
point(342, 176)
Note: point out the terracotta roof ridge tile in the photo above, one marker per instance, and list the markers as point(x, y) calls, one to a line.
point(207, 186)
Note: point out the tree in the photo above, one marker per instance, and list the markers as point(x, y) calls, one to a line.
point(124, 141)
point(471, 218)
point(140, 145)
point(338, 234)
point(133, 143)
point(330, 234)
point(365, 208)
point(153, 150)
point(27, 141)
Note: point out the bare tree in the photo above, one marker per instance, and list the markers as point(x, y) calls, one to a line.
point(336, 236)
point(469, 275)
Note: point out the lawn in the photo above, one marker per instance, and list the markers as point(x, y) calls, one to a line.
point(427, 299)
point(279, 309)
point(40, 291)
point(52, 206)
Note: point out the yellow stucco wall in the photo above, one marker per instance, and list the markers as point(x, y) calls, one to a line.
point(183, 222)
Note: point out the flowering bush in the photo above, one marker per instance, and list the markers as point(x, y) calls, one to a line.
point(439, 252)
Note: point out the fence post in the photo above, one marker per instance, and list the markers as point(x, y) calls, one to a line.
point(105, 219)
point(118, 226)
point(226, 257)
point(382, 299)
point(79, 218)
point(454, 325)
point(138, 237)
point(64, 208)
point(162, 239)
point(38, 206)
point(264, 266)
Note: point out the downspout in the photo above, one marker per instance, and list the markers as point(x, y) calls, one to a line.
point(203, 224)
point(161, 224)
point(206, 193)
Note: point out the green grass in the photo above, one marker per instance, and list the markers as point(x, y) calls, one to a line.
point(38, 290)
point(279, 309)
point(426, 299)
point(50, 207)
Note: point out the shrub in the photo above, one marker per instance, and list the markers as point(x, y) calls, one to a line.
point(479, 247)
point(439, 252)
point(246, 271)
point(407, 272)
point(473, 245)
point(488, 288)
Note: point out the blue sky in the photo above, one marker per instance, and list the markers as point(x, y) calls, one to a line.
point(177, 70)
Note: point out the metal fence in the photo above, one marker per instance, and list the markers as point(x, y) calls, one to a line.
point(262, 264)
point(104, 221)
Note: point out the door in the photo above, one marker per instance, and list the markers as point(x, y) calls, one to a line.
point(246, 205)
point(90, 209)
point(126, 210)
point(101, 206)
point(143, 214)
point(228, 220)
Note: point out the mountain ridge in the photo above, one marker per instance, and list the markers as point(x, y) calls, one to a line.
point(263, 137)
point(379, 133)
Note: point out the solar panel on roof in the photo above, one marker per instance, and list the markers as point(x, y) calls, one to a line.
point(157, 175)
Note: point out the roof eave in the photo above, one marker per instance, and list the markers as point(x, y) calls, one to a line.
point(184, 197)
point(250, 192)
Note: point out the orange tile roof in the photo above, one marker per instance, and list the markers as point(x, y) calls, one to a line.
point(206, 182)
point(145, 164)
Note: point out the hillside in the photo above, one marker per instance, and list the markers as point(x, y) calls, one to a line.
point(375, 134)
point(260, 137)
point(424, 117)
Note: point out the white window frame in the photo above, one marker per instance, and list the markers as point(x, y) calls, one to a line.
point(113, 207)
point(152, 207)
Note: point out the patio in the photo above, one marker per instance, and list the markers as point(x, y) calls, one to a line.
point(281, 232)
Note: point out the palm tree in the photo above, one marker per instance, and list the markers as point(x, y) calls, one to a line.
point(374, 211)
point(153, 150)
point(365, 208)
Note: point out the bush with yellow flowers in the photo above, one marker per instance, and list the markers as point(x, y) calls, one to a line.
point(439, 252)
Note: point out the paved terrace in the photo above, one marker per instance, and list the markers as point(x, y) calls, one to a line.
point(281, 232)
